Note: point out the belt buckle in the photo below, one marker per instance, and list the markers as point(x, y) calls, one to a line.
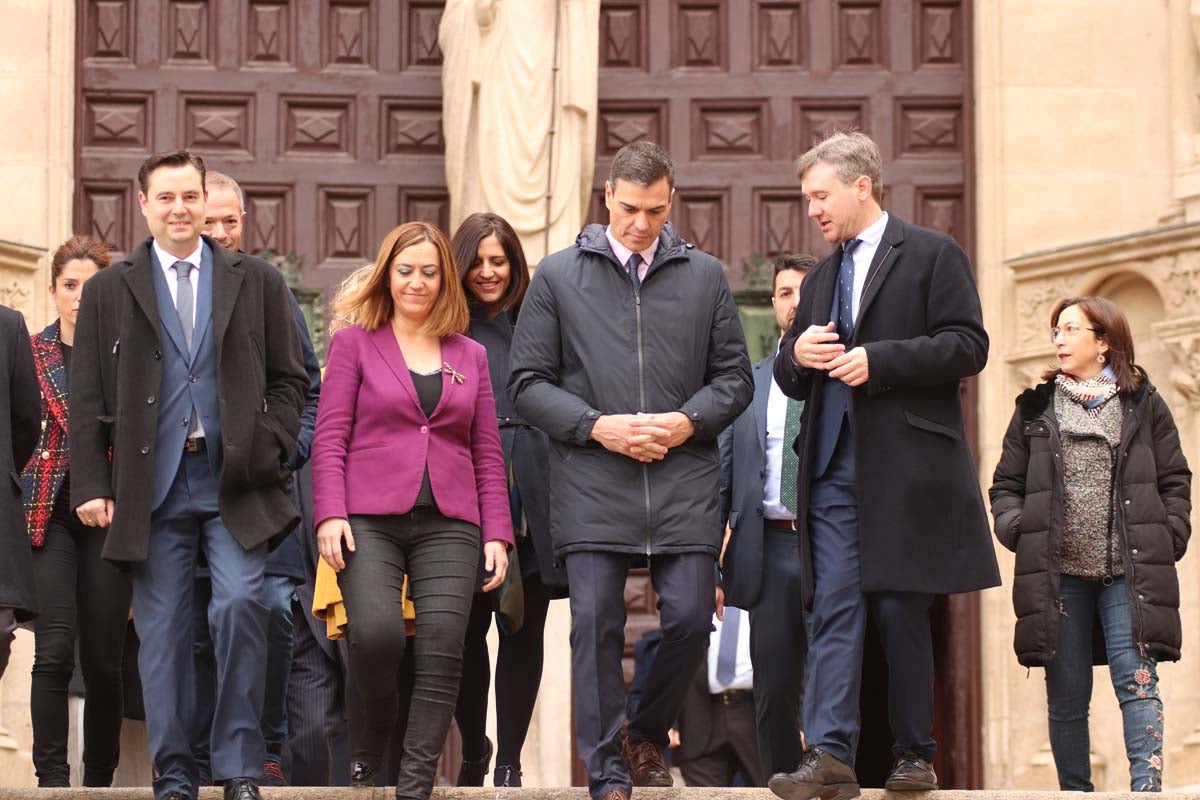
point(191, 444)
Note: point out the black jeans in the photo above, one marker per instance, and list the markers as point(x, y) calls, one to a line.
point(518, 676)
point(83, 596)
point(441, 558)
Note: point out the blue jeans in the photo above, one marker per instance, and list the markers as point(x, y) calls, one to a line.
point(1069, 686)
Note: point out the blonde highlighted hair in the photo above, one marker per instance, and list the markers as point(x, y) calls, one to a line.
point(364, 298)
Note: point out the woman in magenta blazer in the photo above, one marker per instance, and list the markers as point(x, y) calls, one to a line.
point(408, 479)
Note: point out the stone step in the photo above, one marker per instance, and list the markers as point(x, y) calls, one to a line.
point(571, 793)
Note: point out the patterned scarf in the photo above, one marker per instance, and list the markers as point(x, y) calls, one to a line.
point(1093, 393)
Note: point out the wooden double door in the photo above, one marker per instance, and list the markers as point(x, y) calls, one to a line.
point(328, 112)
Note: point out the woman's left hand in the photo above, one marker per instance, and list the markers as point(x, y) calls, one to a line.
point(495, 560)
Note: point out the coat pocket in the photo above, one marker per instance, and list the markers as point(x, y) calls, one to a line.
point(917, 421)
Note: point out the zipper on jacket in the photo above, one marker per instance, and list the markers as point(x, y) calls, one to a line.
point(1139, 628)
point(641, 359)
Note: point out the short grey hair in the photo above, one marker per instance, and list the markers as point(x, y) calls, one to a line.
point(214, 178)
point(852, 155)
point(643, 163)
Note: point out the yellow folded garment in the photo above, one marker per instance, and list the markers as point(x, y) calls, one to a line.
point(328, 604)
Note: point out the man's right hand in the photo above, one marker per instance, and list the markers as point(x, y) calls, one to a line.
point(817, 347)
point(97, 513)
point(618, 433)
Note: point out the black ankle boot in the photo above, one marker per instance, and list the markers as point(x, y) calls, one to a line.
point(472, 773)
point(506, 777)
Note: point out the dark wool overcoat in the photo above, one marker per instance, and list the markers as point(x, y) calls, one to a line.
point(1153, 517)
point(117, 367)
point(586, 345)
point(922, 522)
point(20, 412)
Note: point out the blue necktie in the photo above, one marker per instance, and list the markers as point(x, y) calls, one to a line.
point(845, 310)
point(727, 648)
point(184, 302)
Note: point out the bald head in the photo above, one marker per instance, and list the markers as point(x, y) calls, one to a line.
point(225, 210)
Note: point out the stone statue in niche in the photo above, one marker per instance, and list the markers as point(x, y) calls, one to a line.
point(501, 99)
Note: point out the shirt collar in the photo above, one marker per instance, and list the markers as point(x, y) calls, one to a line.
point(874, 232)
point(623, 253)
point(167, 261)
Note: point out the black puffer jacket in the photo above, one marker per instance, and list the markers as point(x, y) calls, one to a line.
point(587, 344)
point(1153, 492)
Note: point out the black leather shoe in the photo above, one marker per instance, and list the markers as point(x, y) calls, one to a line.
point(241, 789)
point(646, 766)
point(819, 775)
point(362, 774)
point(472, 773)
point(911, 774)
point(176, 796)
point(506, 777)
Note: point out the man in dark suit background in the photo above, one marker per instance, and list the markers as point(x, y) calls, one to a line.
point(20, 412)
point(761, 567)
point(224, 218)
point(187, 364)
point(887, 327)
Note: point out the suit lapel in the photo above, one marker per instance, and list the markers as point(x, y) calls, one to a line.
point(227, 276)
point(389, 350)
point(203, 301)
point(886, 256)
point(763, 375)
point(50, 359)
point(452, 355)
point(141, 277)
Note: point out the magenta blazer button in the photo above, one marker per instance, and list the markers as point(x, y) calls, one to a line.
point(424, 429)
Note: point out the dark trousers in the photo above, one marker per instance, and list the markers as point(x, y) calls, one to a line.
point(518, 676)
point(838, 619)
point(162, 611)
point(277, 597)
point(317, 751)
point(440, 556)
point(730, 749)
point(685, 587)
point(778, 648)
point(82, 598)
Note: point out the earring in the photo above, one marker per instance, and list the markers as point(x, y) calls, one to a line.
point(1100, 358)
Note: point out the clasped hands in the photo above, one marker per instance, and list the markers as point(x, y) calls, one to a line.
point(643, 437)
point(819, 347)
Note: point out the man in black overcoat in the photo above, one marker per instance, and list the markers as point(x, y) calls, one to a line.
point(187, 365)
point(887, 327)
point(20, 411)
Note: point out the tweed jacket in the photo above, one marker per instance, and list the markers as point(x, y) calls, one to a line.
point(43, 475)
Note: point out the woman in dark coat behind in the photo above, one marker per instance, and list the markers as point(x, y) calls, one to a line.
point(82, 597)
point(494, 274)
point(1093, 493)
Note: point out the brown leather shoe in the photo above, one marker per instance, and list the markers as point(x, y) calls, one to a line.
point(819, 775)
point(616, 794)
point(646, 766)
point(912, 774)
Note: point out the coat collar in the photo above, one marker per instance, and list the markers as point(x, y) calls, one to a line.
point(886, 256)
point(384, 342)
point(1032, 403)
point(227, 277)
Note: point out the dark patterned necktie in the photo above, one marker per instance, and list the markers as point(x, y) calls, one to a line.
point(789, 470)
point(633, 265)
point(845, 311)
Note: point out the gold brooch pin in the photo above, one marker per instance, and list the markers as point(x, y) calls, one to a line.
point(455, 375)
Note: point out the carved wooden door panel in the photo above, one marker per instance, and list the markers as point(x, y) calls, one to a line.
point(328, 112)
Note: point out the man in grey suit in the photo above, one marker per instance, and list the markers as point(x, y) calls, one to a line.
point(187, 365)
point(761, 567)
point(20, 410)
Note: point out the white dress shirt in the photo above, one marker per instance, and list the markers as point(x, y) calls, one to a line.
point(167, 262)
point(623, 253)
point(773, 467)
point(743, 677)
point(864, 254)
